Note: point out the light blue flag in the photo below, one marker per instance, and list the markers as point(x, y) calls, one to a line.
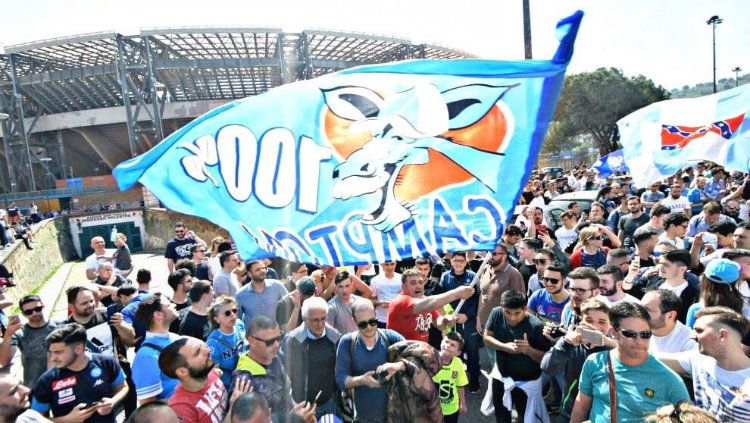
point(371, 164)
point(662, 138)
point(611, 163)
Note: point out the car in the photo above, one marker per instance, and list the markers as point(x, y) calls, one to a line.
point(559, 204)
point(554, 171)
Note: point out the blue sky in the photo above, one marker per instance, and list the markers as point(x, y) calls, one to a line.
point(665, 40)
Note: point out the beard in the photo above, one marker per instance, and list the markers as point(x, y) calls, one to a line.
point(201, 373)
point(607, 292)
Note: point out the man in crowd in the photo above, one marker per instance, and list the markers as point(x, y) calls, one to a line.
point(526, 253)
point(180, 282)
point(516, 336)
point(100, 255)
point(543, 258)
point(656, 220)
point(105, 336)
point(157, 411)
point(711, 214)
point(716, 184)
point(645, 243)
point(289, 309)
point(15, 403)
point(676, 202)
point(742, 236)
point(675, 227)
point(697, 196)
point(198, 257)
point(610, 286)
point(567, 234)
point(340, 306)
point(548, 303)
point(641, 383)
point(620, 258)
point(460, 276)
point(385, 287)
point(79, 386)
point(411, 314)
point(224, 281)
point(29, 338)
point(570, 352)
point(583, 284)
point(652, 196)
point(630, 222)
point(195, 323)
point(511, 237)
point(310, 352)
point(262, 366)
point(670, 334)
point(150, 383)
point(179, 246)
point(499, 277)
point(719, 368)
point(261, 296)
point(107, 282)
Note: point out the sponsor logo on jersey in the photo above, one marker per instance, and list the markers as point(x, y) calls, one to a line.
point(58, 385)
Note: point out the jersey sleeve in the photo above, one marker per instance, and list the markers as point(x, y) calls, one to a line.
point(41, 396)
point(462, 380)
point(146, 374)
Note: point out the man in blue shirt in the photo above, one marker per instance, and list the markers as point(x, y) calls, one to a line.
point(81, 386)
point(459, 275)
point(261, 295)
point(151, 384)
point(548, 303)
point(642, 383)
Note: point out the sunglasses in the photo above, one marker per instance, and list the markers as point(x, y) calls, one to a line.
point(200, 251)
point(540, 261)
point(363, 324)
point(268, 342)
point(498, 254)
point(633, 334)
point(30, 311)
point(599, 237)
point(549, 281)
point(230, 312)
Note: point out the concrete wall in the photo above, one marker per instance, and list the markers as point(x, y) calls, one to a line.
point(30, 267)
point(160, 228)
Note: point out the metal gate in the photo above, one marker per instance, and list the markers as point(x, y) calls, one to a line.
point(135, 243)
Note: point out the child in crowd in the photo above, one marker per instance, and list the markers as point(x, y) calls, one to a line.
point(452, 379)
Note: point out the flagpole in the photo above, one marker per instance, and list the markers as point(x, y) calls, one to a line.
point(474, 281)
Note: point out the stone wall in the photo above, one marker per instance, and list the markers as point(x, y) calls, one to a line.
point(30, 267)
point(159, 224)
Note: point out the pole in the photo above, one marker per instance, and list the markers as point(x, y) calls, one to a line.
point(475, 281)
point(736, 71)
point(713, 31)
point(526, 30)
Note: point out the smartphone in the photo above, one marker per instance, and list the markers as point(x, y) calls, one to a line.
point(90, 405)
point(709, 238)
point(14, 319)
point(591, 337)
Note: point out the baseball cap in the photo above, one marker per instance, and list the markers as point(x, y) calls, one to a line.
point(306, 286)
point(722, 271)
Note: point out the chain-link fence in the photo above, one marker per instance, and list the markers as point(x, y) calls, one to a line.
point(567, 160)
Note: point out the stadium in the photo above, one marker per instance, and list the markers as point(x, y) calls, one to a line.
point(72, 108)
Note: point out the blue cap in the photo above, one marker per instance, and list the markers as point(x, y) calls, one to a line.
point(722, 271)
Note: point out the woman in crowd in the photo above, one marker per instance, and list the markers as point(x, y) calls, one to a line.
point(227, 339)
point(589, 251)
point(718, 288)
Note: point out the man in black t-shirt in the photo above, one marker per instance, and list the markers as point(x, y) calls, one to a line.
point(179, 246)
point(80, 387)
point(105, 336)
point(195, 323)
point(516, 336)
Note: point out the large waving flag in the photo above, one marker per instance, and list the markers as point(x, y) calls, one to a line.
point(662, 138)
point(370, 164)
point(611, 163)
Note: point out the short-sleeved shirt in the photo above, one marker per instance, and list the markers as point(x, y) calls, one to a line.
point(628, 224)
point(93, 261)
point(450, 377)
point(385, 289)
point(179, 248)
point(542, 304)
point(640, 389)
point(725, 394)
point(676, 205)
point(226, 349)
point(195, 325)
point(100, 334)
point(224, 284)
point(207, 405)
point(148, 379)
point(32, 342)
point(252, 303)
point(519, 367)
point(402, 319)
point(340, 315)
point(59, 390)
point(651, 197)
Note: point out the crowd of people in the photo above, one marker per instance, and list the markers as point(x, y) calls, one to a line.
point(636, 308)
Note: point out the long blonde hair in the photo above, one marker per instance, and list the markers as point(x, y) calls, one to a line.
point(588, 233)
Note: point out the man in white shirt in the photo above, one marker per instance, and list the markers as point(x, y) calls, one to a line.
point(676, 202)
point(567, 233)
point(675, 228)
point(100, 255)
point(385, 287)
point(610, 286)
point(720, 369)
point(669, 334)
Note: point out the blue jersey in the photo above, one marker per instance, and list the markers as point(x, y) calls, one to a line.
point(59, 390)
point(148, 379)
point(226, 349)
point(541, 304)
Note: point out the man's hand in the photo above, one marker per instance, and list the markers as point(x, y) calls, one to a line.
point(546, 239)
point(11, 329)
point(105, 406)
point(367, 380)
point(462, 409)
point(573, 337)
point(78, 415)
point(480, 329)
point(523, 345)
point(116, 319)
point(241, 386)
point(464, 292)
point(297, 298)
point(391, 368)
point(461, 318)
point(547, 331)
point(306, 411)
point(512, 348)
point(384, 304)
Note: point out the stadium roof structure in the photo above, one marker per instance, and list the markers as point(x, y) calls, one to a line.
point(105, 97)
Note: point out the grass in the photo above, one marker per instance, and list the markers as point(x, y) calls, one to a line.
point(38, 286)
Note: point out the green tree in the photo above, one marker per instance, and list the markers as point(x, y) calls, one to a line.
point(593, 102)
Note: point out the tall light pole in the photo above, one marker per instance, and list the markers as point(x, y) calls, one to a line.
point(737, 71)
point(713, 21)
point(526, 30)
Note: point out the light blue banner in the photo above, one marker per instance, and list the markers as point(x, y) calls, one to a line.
point(370, 164)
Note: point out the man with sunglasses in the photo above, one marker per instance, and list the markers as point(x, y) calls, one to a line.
point(179, 246)
point(641, 384)
point(30, 338)
point(549, 302)
point(156, 313)
point(262, 367)
point(542, 259)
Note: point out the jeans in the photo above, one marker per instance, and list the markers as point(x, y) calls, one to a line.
point(472, 344)
point(517, 395)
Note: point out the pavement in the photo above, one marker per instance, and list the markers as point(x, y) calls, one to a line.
point(71, 274)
